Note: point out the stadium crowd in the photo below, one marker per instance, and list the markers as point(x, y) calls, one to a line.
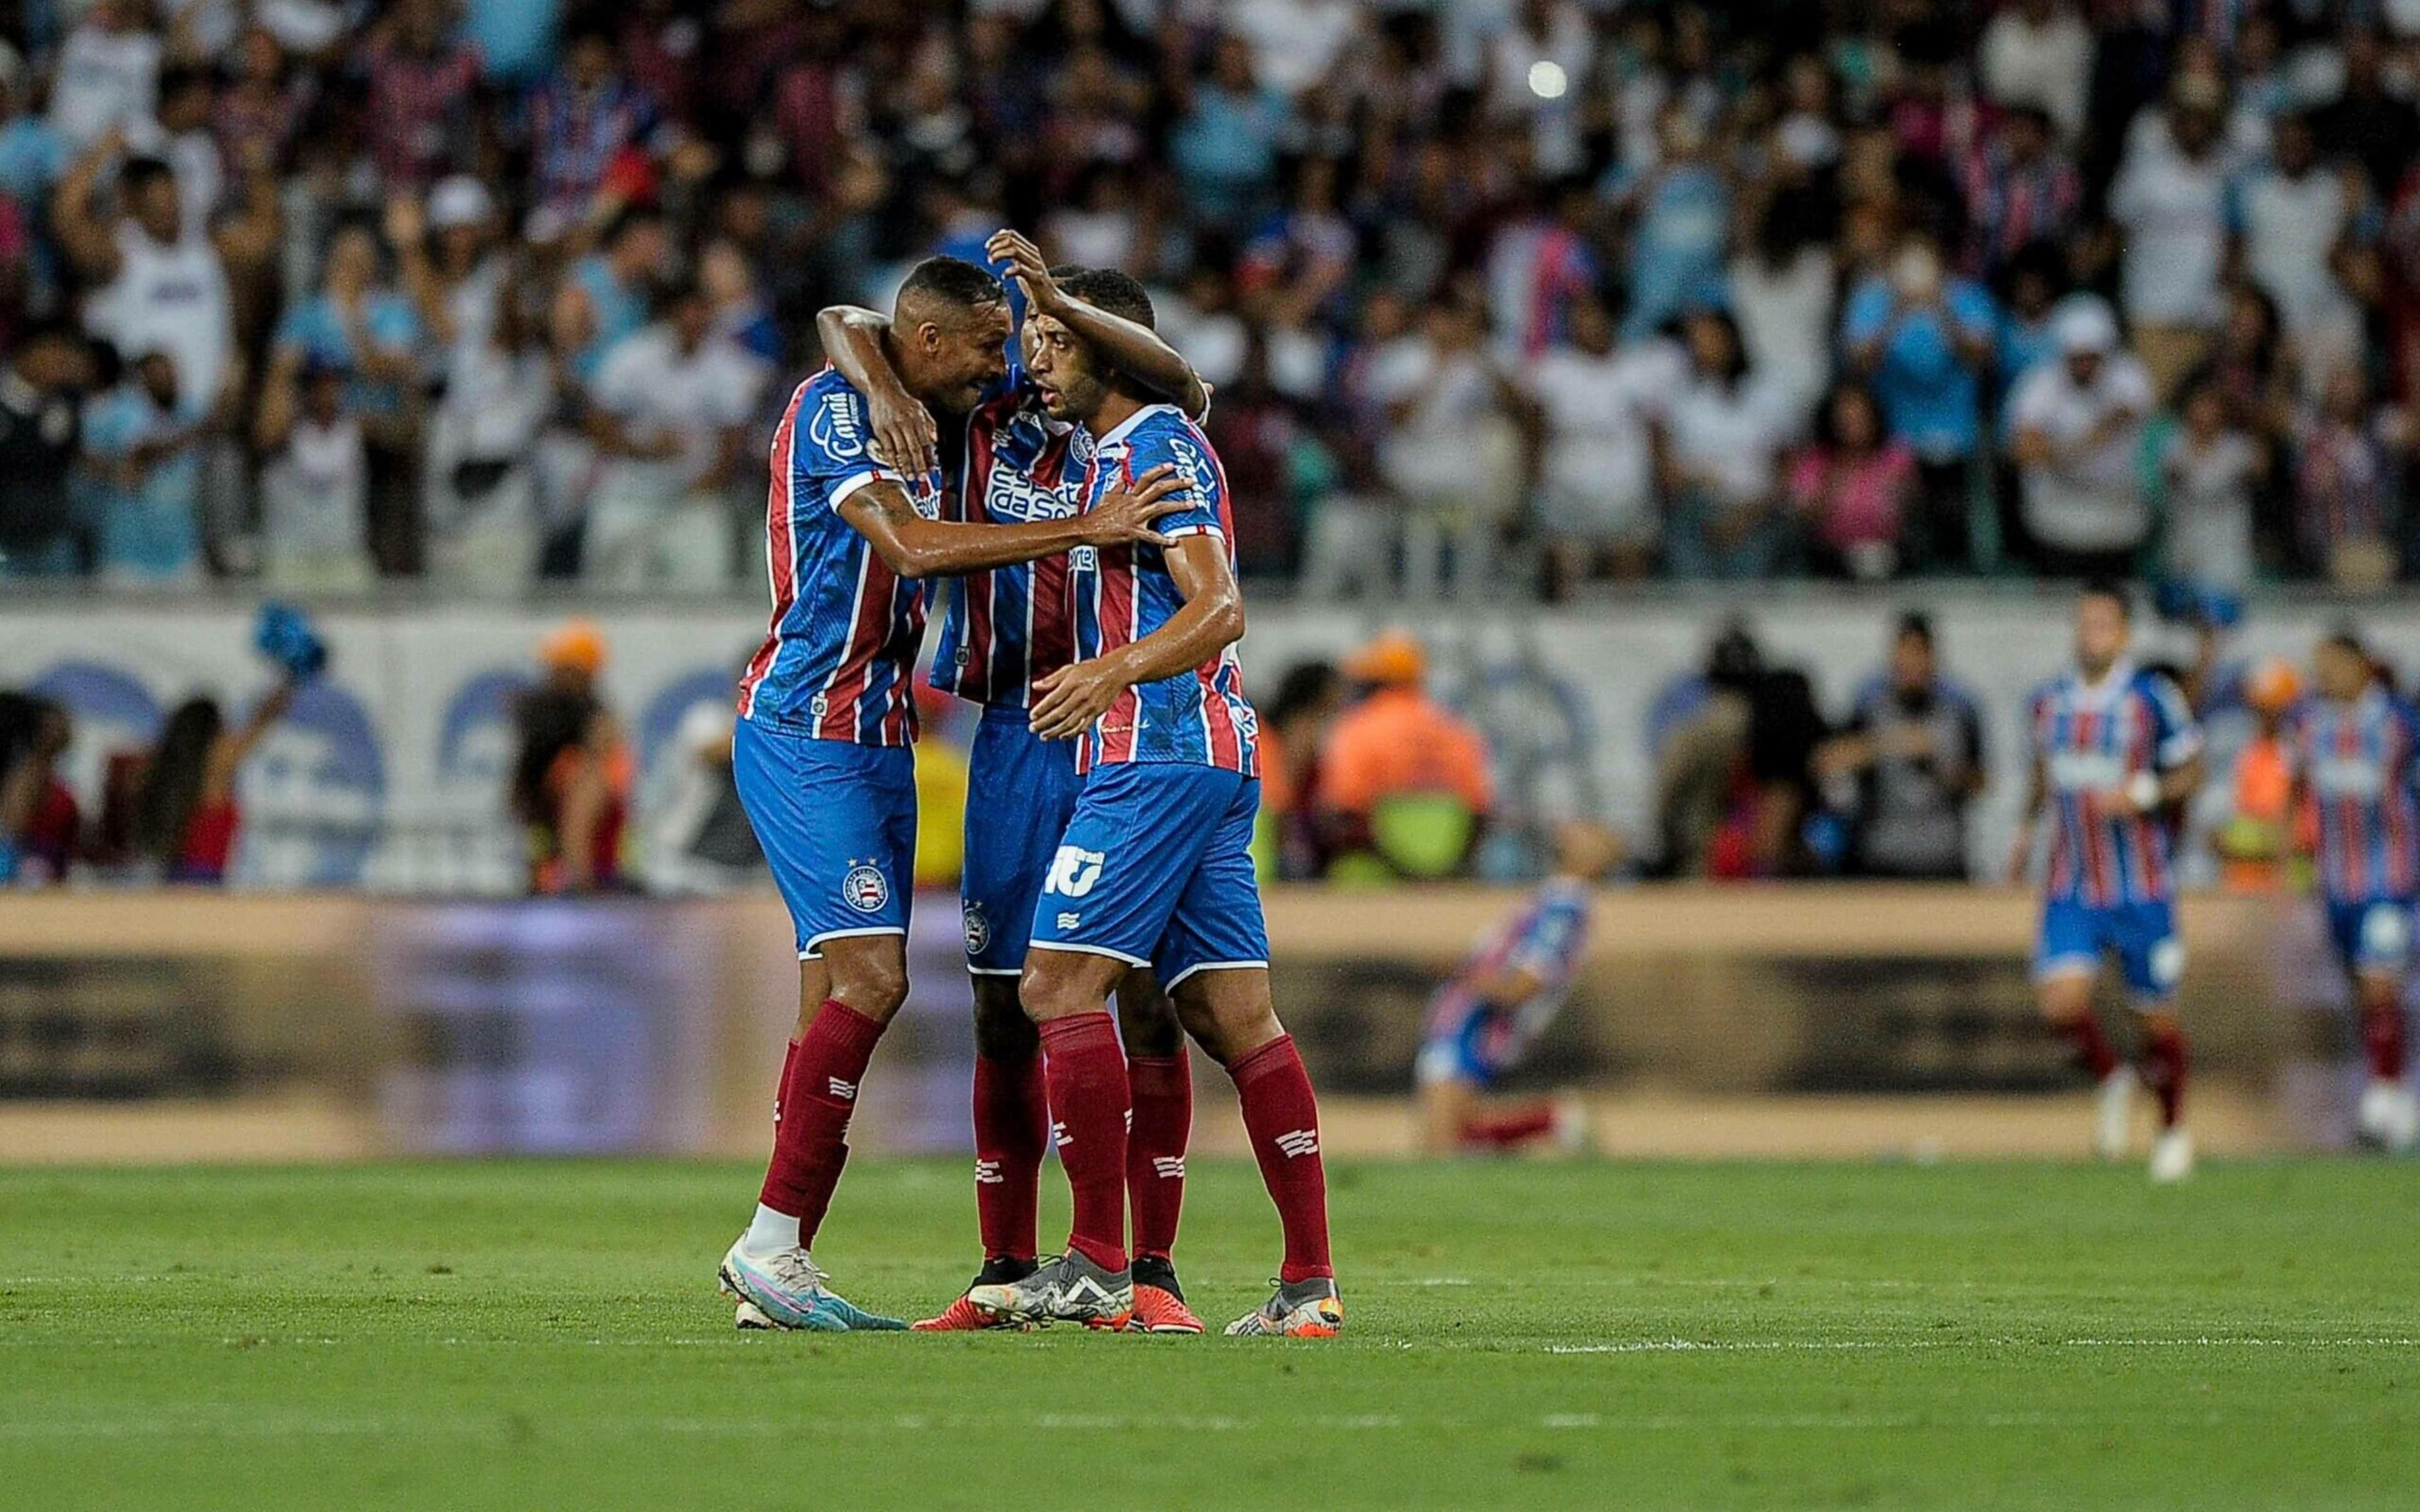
point(1506, 291)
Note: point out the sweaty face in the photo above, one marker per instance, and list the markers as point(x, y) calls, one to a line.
point(1073, 387)
point(2099, 633)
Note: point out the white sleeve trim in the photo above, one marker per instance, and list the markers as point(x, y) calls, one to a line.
point(855, 481)
point(1183, 531)
point(2180, 747)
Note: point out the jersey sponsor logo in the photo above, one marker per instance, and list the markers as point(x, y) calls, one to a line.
point(865, 889)
point(1084, 558)
point(1013, 495)
point(2348, 777)
point(833, 427)
point(1074, 870)
point(1296, 1143)
point(2087, 771)
point(978, 929)
point(1190, 463)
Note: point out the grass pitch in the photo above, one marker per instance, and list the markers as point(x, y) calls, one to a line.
point(1520, 1334)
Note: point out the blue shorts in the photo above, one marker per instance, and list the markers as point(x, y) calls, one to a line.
point(1156, 870)
point(837, 821)
point(1020, 793)
point(2143, 937)
point(2372, 937)
point(1469, 1052)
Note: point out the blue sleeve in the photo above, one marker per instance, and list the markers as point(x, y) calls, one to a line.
point(1177, 447)
point(1869, 312)
point(295, 330)
point(831, 444)
point(395, 324)
point(109, 426)
point(2176, 739)
point(1552, 940)
point(1971, 306)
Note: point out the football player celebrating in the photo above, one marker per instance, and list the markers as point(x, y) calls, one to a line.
point(2351, 749)
point(821, 755)
point(1155, 866)
point(1000, 631)
point(2115, 750)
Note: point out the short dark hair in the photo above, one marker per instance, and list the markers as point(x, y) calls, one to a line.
point(952, 282)
point(2110, 589)
point(1915, 625)
point(1113, 293)
point(140, 173)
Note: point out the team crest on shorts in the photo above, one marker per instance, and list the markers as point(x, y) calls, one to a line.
point(865, 889)
point(978, 929)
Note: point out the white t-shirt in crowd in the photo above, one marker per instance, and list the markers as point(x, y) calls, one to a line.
point(2049, 66)
point(1600, 413)
point(1293, 41)
point(1436, 448)
point(1785, 318)
point(105, 79)
point(2289, 226)
point(315, 492)
point(2173, 209)
point(1215, 343)
point(654, 388)
point(2092, 501)
point(1731, 434)
point(169, 297)
point(2210, 508)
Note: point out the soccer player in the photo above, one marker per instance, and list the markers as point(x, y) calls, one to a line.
point(1000, 631)
point(1482, 1022)
point(2115, 750)
point(821, 754)
point(2351, 750)
point(1155, 866)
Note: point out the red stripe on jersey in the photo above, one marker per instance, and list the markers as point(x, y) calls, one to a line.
point(2148, 872)
point(869, 623)
point(781, 555)
point(1050, 617)
point(2098, 879)
point(1120, 604)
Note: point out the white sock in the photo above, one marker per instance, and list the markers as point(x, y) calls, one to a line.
point(770, 1233)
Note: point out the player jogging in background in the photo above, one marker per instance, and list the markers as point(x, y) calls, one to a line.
point(1001, 630)
point(1482, 1022)
point(821, 754)
point(2351, 748)
point(2115, 750)
point(1155, 866)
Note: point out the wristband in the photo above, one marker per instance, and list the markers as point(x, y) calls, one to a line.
point(2144, 791)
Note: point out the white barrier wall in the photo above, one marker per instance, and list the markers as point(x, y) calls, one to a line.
point(392, 774)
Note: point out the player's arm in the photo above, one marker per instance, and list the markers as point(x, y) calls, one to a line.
point(903, 433)
point(2020, 855)
point(1210, 621)
point(914, 547)
point(1133, 349)
point(89, 241)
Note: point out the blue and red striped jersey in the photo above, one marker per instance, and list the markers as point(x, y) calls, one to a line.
point(838, 659)
point(1003, 628)
point(2093, 739)
point(1123, 593)
point(1544, 938)
point(2356, 761)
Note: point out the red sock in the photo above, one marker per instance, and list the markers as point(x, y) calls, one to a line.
point(2164, 1063)
point(781, 1087)
point(1090, 1104)
point(1281, 1117)
point(2092, 1050)
point(2382, 1033)
point(1509, 1128)
point(811, 1128)
point(1011, 1130)
point(1163, 1125)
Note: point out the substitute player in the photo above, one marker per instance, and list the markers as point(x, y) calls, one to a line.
point(1155, 866)
point(2351, 749)
point(821, 753)
point(1482, 1022)
point(2115, 750)
point(1000, 631)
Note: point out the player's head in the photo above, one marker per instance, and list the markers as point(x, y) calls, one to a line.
point(948, 329)
point(1073, 380)
point(2342, 667)
point(2104, 621)
point(1586, 850)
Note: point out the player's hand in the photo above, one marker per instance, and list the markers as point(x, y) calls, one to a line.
point(1075, 695)
point(1027, 266)
point(1125, 513)
point(903, 433)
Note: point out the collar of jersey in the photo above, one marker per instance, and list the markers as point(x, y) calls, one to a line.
point(2103, 693)
point(1136, 418)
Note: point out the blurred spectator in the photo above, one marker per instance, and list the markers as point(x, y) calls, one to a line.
point(2038, 53)
point(591, 136)
point(1912, 756)
point(41, 824)
point(39, 437)
point(1449, 452)
point(2077, 426)
point(1225, 146)
point(2288, 216)
point(315, 486)
point(1397, 743)
point(1700, 759)
point(1678, 209)
point(142, 443)
point(571, 775)
point(1599, 407)
point(605, 301)
point(2346, 485)
point(1294, 42)
point(187, 817)
point(1785, 292)
point(1855, 489)
point(108, 73)
point(670, 404)
point(700, 843)
point(1294, 742)
point(1725, 428)
point(2170, 201)
point(1924, 339)
point(483, 516)
point(156, 281)
point(421, 83)
point(2368, 120)
point(2211, 468)
point(2019, 189)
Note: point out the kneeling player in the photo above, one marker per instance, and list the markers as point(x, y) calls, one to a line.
point(1155, 866)
point(1483, 1021)
point(2352, 749)
point(2114, 749)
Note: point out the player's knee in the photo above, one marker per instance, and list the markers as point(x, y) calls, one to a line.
point(1146, 1022)
point(875, 986)
point(1002, 1032)
point(1052, 988)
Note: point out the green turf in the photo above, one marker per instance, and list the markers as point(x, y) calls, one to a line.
point(1528, 1335)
